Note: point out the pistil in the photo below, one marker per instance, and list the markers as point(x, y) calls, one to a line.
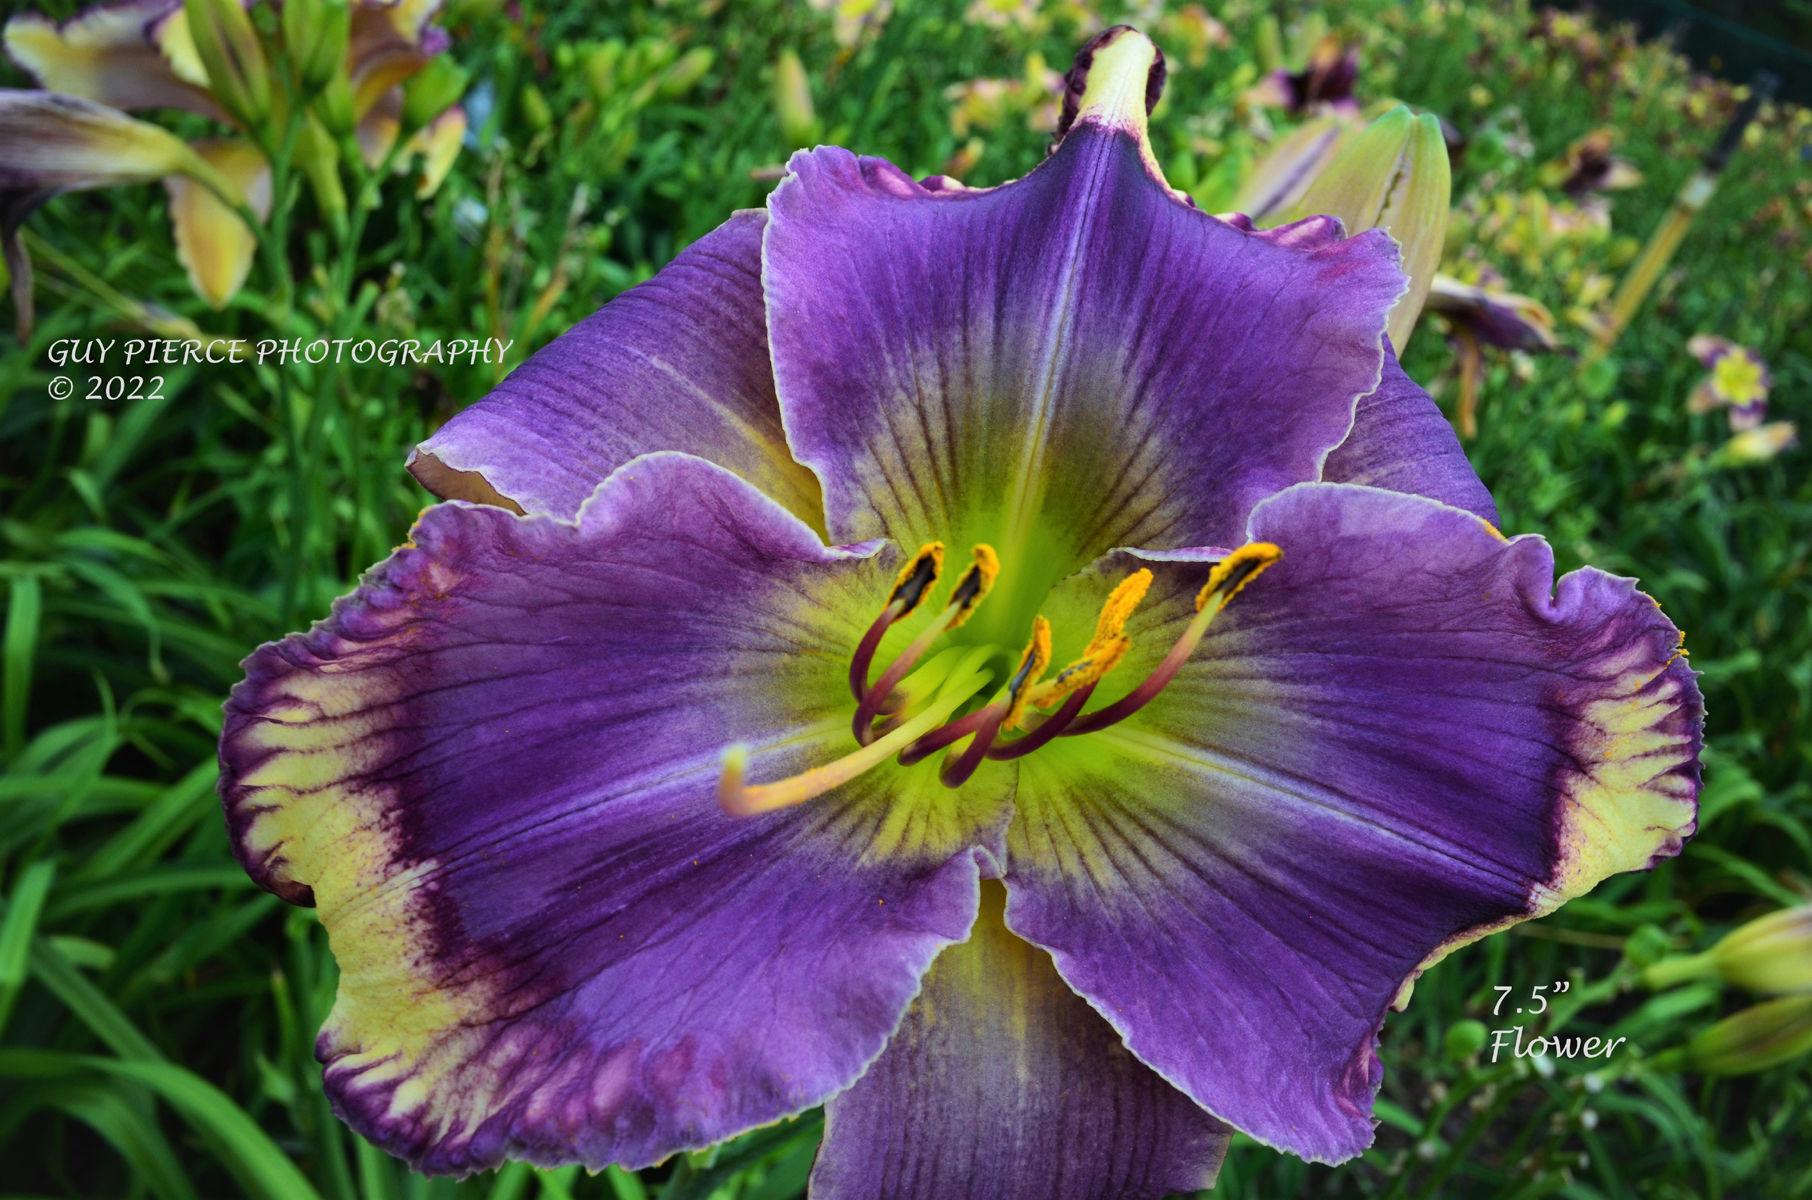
point(740, 799)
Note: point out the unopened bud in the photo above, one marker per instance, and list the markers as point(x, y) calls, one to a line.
point(1465, 1039)
point(793, 100)
point(431, 91)
point(1769, 954)
point(1393, 176)
point(334, 105)
point(690, 68)
point(1755, 1039)
point(601, 65)
point(315, 32)
point(319, 157)
point(1758, 445)
point(226, 43)
point(535, 108)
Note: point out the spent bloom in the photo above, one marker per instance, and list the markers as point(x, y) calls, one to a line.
point(1477, 317)
point(1738, 380)
point(976, 659)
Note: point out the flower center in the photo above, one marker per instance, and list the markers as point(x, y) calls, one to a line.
point(912, 713)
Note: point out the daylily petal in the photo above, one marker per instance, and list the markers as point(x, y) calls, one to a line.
point(1505, 319)
point(1002, 1084)
point(49, 140)
point(677, 363)
point(493, 769)
point(214, 245)
point(111, 54)
point(1394, 741)
point(378, 127)
point(388, 44)
point(437, 143)
point(1401, 442)
point(1070, 362)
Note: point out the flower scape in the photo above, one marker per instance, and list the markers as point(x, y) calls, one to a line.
point(1021, 667)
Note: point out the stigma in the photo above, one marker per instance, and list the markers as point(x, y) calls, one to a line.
point(921, 711)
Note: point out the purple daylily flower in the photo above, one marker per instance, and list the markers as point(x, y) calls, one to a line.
point(1327, 81)
point(499, 767)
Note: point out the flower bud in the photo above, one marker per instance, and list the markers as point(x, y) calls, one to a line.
point(238, 75)
point(535, 108)
point(315, 33)
point(1769, 954)
point(1393, 176)
point(1465, 1039)
point(334, 105)
point(1755, 1039)
point(431, 91)
point(690, 68)
point(1758, 445)
point(793, 100)
point(318, 155)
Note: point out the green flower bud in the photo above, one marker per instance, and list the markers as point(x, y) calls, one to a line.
point(535, 108)
point(432, 91)
point(318, 155)
point(315, 32)
point(228, 46)
point(1755, 1039)
point(793, 100)
point(601, 65)
point(1769, 954)
point(687, 71)
point(1393, 176)
point(334, 105)
point(1465, 1039)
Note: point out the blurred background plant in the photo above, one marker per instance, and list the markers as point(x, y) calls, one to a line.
point(157, 1013)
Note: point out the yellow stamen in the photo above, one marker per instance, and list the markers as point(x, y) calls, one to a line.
point(1235, 572)
point(1108, 646)
point(1032, 663)
point(975, 584)
point(916, 579)
point(741, 800)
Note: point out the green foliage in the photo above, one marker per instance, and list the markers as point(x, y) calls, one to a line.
point(157, 1012)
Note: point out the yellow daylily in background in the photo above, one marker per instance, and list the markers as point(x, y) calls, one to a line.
point(206, 57)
